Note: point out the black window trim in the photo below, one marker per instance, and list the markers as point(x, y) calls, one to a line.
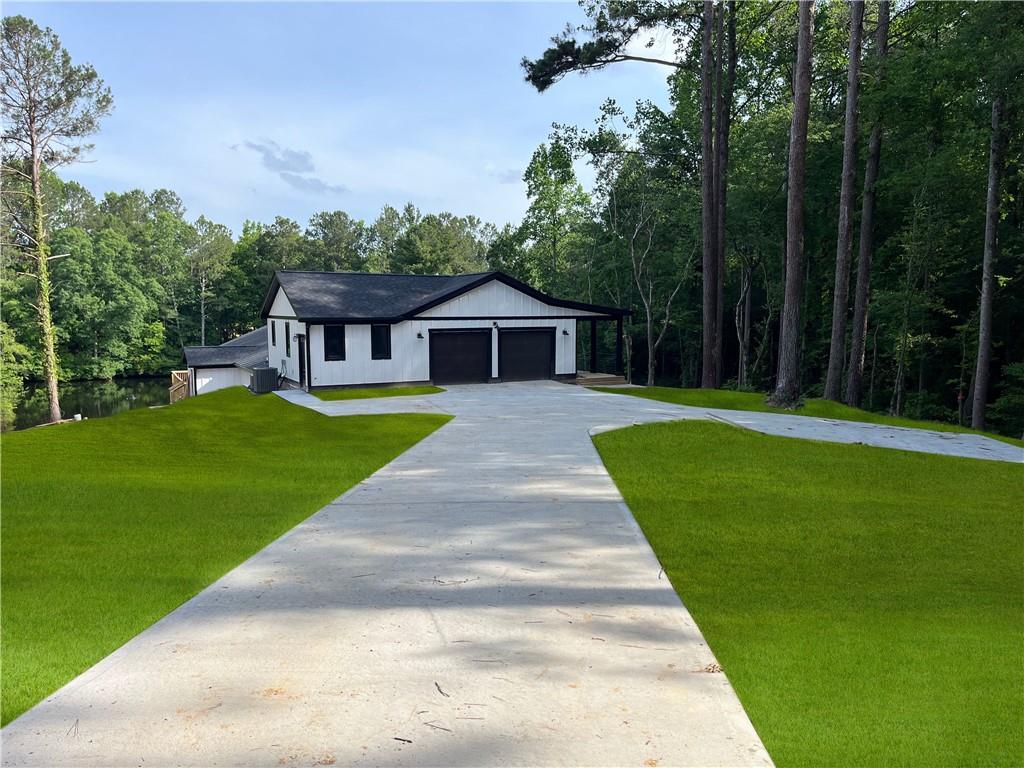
point(287, 339)
point(273, 333)
point(335, 358)
point(384, 354)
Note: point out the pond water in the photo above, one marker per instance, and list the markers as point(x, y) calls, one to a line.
point(92, 399)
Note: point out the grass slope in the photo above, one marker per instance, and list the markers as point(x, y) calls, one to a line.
point(755, 401)
point(111, 524)
point(364, 392)
point(867, 604)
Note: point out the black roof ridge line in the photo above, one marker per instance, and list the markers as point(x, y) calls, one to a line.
point(435, 297)
point(221, 346)
point(384, 274)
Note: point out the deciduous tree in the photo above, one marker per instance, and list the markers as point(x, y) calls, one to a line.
point(209, 257)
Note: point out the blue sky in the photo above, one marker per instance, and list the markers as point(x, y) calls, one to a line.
point(251, 110)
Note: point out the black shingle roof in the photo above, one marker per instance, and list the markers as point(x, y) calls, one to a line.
point(364, 296)
point(246, 351)
point(359, 296)
point(257, 338)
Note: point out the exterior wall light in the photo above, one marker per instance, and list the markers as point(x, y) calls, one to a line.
point(565, 332)
point(419, 334)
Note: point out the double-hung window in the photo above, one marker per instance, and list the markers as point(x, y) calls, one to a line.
point(334, 342)
point(380, 342)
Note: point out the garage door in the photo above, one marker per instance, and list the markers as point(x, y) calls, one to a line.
point(525, 355)
point(460, 357)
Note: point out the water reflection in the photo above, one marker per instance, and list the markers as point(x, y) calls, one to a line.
point(92, 399)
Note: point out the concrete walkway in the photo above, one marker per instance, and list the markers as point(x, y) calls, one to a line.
point(485, 599)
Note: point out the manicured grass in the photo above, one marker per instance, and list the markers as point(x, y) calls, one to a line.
point(110, 524)
point(365, 392)
point(867, 604)
point(755, 401)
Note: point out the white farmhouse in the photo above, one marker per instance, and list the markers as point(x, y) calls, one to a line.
point(334, 329)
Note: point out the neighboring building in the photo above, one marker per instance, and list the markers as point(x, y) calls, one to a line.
point(332, 329)
point(229, 365)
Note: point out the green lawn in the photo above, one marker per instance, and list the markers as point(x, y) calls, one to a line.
point(867, 604)
point(365, 392)
point(110, 524)
point(755, 401)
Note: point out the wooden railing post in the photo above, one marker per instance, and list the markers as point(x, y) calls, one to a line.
point(179, 388)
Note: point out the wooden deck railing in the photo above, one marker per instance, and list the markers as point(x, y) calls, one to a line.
point(179, 386)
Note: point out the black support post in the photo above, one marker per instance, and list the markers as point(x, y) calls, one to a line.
point(618, 346)
point(593, 346)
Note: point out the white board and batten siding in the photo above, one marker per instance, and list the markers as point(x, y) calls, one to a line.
point(495, 300)
point(281, 312)
point(212, 379)
point(410, 355)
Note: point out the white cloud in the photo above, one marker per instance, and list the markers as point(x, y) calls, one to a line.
point(291, 168)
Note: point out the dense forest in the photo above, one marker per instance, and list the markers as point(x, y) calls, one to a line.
point(831, 206)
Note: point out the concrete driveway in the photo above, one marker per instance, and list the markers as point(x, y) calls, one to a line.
point(485, 599)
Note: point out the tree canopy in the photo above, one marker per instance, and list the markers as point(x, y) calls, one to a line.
point(142, 274)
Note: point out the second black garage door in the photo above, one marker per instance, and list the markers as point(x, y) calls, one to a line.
point(526, 355)
point(460, 357)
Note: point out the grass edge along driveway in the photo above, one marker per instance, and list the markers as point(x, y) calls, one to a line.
point(359, 393)
point(867, 604)
point(731, 399)
point(110, 524)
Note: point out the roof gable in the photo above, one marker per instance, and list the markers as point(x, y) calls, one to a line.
point(364, 297)
point(499, 299)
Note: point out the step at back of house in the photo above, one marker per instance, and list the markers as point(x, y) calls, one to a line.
point(588, 379)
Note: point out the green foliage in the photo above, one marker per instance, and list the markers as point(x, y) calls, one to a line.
point(61, 101)
point(866, 604)
point(121, 528)
point(337, 242)
point(1008, 410)
point(104, 308)
point(947, 60)
point(13, 367)
point(442, 244)
point(553, 229)
point(610, 28)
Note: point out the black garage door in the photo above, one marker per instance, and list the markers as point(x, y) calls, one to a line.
point(460, 357)
point(525, 355)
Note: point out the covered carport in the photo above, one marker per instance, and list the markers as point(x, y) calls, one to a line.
point(228, 365)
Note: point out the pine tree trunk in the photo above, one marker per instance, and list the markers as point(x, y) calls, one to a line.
point(718, 189)
point(995, 168)
point(844, 241)
point(709, 262)
point(787, 386)
point(862, 292)
point(725, 67)
point(46, 330)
